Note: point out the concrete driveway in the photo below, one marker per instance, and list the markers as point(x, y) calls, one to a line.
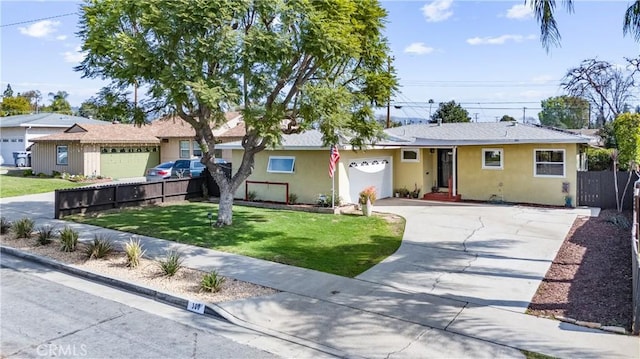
point(490, 255)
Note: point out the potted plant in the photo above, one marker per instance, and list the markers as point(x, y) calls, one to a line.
point(367, 199)
point(416, 192)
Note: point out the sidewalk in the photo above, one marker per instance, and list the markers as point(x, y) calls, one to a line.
point(366, 319)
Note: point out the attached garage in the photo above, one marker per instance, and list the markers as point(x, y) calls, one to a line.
point(127, 161)
point(365, 172)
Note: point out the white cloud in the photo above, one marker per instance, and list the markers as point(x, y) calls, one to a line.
point(74, 56)
point(498, 40)
point(61, 37)
point(437, 10)
point(40, 29)
point(520, 12)
point(418, 48)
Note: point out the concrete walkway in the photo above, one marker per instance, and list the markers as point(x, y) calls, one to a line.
point(457, 287)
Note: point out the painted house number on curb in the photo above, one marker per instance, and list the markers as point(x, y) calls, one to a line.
point(195, 307)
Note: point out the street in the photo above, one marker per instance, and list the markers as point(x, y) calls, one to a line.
point(41, 318)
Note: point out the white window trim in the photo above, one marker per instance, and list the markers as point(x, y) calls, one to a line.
point(416, 150)
point(564, 162)
point(58, 152)
point(180, 149)
point(484, 165)
point(293, 164)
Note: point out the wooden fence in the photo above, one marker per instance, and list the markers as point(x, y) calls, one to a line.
point(597, 189)
point(103, 197)
point(635, 249)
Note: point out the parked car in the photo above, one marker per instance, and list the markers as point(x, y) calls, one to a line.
point(187, 168)
point(159, 172)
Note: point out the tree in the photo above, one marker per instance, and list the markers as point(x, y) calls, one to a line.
point(59, 103)
point(607, 87)
point(14, 106)
point(109, 105)
point(550, 35)
point(34, 97)
point(506, 118)
point(8, 92)
point(291, 65)
point(627, 131)
point(450, 112)
point(565, 112)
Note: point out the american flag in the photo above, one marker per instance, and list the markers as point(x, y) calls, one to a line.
point(333, 160)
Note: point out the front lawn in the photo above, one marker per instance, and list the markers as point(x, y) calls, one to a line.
point(11, 186)
point(346, 245)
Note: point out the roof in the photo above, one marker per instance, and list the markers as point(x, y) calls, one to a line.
point(477, 133)
point(113, 133)
point(176, 127)
point(46, 119)
point(446, 134)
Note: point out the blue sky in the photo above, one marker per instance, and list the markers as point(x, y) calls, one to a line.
point(483, 54)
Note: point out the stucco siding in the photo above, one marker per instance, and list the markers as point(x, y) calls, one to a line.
point(515, 182)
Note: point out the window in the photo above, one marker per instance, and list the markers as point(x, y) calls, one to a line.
point(492, 158)
point(548, 163)
point(410, 155)
point(185, 151)
point(62, 155)
point(197, 152)
point(278, 164)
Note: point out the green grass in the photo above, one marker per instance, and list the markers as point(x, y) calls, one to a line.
point(11, 186)
point(534, 355)
point(341, 244)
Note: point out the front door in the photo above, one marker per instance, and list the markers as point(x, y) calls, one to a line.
point(445, 166)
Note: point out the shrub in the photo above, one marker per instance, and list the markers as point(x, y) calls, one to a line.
point(134, 251)
point(68, 239)
point(171, 263)
point(324, 200)
point(27, 173)
point(212, 282)
point(368, 193)
point(599, 159)
point(5, 225)
point(293, 198)
point(100, 247)
point(45, 234)
point(251, 195)
point(23, 227)
point(56, 174)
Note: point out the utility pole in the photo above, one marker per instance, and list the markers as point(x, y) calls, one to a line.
point(475, 114)
point(389, 98)
point(524, 115)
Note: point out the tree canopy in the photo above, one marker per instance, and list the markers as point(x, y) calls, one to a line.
point(506, 118)
point(544, 12)
point(627, 131)
point(14, 106)
point(450, 112)
point(290, 65)
point(565, 112)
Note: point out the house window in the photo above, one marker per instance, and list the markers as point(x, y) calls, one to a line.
point(280, 164)
point(549, 163)
point(492, 158)
point(410, 155)
point(185, 150)
point(197, 152)
point(62, 157)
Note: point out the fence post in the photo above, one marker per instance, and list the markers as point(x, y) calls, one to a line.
point(56, 205)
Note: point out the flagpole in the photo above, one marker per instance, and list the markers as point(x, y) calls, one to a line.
point(333, 190)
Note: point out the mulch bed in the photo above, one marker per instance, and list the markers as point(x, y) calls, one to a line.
point(590, 278)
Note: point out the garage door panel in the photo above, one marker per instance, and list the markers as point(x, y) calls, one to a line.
point(374, 172)
point(127, 164)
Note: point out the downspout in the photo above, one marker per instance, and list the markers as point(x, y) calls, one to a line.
point(455, 172)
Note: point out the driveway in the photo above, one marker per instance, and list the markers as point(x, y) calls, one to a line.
point(490, 255)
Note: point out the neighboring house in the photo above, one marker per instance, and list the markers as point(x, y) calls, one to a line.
point(122, 150)
point(593, 134)
point(178, 136)
point(504, 161)
point(17, 132)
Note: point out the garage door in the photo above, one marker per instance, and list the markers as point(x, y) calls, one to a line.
point(125, 162)
point(10, 145)
point(370, 172)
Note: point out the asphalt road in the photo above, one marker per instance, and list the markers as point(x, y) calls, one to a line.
point(41, 318)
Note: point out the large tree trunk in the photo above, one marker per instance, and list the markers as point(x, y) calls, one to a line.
point(225, 209)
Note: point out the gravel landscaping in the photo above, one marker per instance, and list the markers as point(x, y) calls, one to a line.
point(590, 278)
point(185, 283)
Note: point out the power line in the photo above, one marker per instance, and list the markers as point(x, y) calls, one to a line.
point(40, 19)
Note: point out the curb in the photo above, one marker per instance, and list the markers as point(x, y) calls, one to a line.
point(211, 309)
point(592, 325)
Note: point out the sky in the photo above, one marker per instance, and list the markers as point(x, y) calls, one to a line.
point(485, 55)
